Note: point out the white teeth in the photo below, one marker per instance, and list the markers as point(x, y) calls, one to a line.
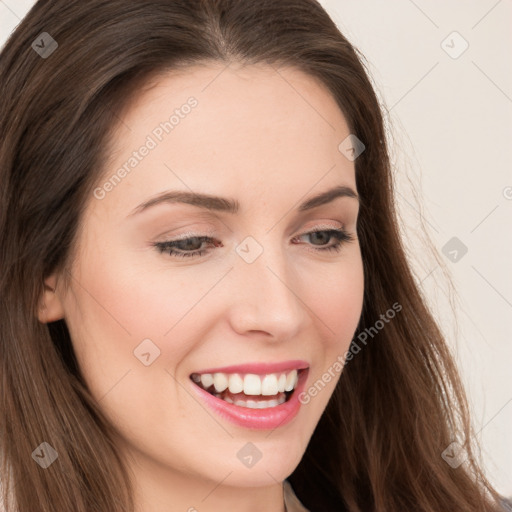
point(206, 380)
point(291, 380)
point(236, 383)
point(255, 404)
point(220, 381)
point(269, 385)
point(251, 404)
point(251, 384)
point(281, 383)
point(260, 404)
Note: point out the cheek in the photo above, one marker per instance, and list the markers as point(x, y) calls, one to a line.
point(339, 305)
point(121, 300)
point(133, 295)
point(114, 308)
point(336, 297)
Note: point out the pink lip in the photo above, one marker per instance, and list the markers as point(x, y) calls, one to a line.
point(256, 419)
point(260, 368)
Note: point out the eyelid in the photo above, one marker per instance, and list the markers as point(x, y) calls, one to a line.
point(321, 226)
point(166, 237)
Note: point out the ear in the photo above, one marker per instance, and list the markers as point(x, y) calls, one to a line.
point(50, 306)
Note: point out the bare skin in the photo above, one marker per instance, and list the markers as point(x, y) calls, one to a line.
point(255, 139)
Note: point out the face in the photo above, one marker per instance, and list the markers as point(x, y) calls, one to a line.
point(188, 293)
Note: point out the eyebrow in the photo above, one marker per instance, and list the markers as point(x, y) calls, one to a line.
point(222, 204)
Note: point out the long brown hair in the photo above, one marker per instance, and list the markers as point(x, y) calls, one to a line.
point(399, 402)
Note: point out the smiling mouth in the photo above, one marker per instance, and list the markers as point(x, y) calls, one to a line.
point(250, 390)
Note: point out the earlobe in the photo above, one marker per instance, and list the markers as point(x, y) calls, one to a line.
point(50, 306)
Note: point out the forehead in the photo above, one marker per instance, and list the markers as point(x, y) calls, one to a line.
point(214, 127)
point(256, 88)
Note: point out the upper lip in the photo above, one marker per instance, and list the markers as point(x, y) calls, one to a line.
point(259, 368)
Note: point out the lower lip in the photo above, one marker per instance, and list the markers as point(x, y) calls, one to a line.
point(257, 419)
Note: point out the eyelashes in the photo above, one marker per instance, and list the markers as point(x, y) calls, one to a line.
point(192, 246)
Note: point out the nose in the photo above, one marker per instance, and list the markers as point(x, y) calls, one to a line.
point(267, 296)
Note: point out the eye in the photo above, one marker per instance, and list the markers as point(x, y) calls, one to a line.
point(193, 246)
point(186, 247)
point(320, 237)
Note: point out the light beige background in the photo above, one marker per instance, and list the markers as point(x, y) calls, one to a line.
point(450, 117)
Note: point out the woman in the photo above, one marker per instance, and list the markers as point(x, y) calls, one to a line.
point(205, 300)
